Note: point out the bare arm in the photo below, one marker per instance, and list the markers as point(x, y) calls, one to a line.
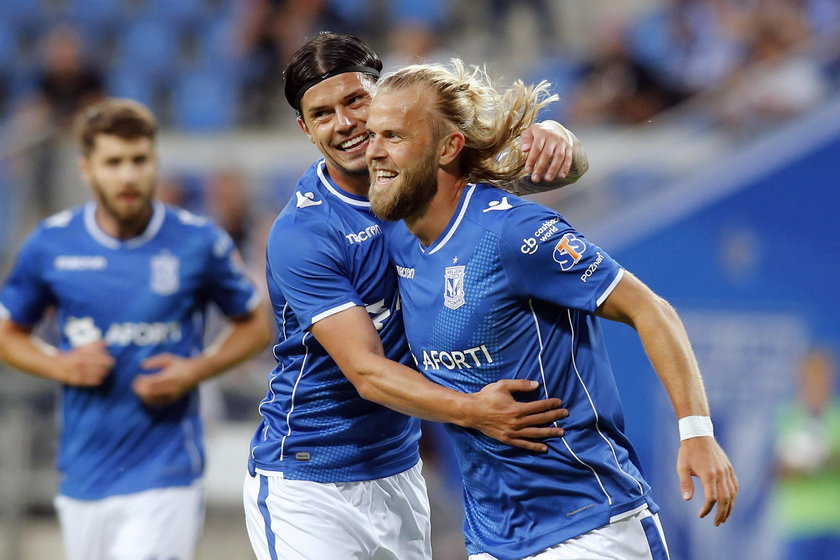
point(352, 341)
point(244, 337)
point(556, 158)
point(85, 366)
point(667, 346)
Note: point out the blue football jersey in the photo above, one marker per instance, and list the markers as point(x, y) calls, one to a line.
point(143, 296)
point(508, 291)
point(326, 254)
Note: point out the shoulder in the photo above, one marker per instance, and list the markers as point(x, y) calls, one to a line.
point(507, 214)
point(58, 228)
point(200, 230)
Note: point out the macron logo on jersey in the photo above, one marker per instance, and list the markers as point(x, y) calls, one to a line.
point(73, 262)
point(568, 251)
point(367, 233)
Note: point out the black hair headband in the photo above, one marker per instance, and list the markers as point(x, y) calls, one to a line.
point(335, 72)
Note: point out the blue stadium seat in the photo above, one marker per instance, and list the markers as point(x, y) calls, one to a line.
point(96, 16)
point(205, 101)
point(184, 14)
point(21, 13)
point(8, 46)
point(150, 47)
point(216, 48)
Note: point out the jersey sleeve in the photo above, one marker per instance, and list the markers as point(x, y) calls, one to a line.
point(308, 265)
point(26, 294)
point(546, 259)
point(226, 282)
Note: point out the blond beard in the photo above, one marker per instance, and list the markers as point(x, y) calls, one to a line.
point(409, 196)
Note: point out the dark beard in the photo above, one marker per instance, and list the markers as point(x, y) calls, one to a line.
point(410, 196)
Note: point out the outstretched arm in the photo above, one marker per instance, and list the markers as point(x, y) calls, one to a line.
point(244, 337)
point(555, 159)
point(667, 346)
point(352, 341)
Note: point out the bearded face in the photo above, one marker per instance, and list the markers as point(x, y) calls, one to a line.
point(399, 193)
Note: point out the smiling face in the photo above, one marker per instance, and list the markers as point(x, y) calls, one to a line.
point(403, 153)
point(122, 174)
point(333, 115)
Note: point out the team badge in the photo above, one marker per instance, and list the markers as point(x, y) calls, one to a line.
point(165, 276)
point(453, 290)
point(568, 251)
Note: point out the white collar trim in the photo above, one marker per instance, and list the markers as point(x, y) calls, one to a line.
point(343, 197)
point(457, 221)
point(158, 214)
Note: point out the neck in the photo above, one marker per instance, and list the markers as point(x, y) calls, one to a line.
point(122, 229)
point(357, 184)
point(433, 220)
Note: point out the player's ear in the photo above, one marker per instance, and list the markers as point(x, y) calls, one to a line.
point(305, 129)
point(450, 146)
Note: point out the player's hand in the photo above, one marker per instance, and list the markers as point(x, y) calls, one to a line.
point(85, 366)
point(702, 457)
point(173, 380)
point(550, 150)
point(498, 415)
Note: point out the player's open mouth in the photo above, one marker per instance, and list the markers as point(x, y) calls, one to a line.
point(354, 143)
point(383, 175)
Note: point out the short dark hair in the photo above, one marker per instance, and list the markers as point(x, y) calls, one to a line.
point(125, 118)
point(325, 55)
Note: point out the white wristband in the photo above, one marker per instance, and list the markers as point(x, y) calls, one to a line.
point(696, 426)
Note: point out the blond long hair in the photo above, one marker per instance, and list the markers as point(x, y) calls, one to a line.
point(490, 120)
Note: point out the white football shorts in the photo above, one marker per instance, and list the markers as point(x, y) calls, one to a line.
point(383, 519)
point(160, 523)
point(636, 537)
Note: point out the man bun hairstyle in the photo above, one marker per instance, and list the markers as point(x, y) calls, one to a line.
point(124, 118)
point(324, 56)
point(491, 121)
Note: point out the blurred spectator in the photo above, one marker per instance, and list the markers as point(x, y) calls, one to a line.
point(499, 17)
point(269, 32)
point(615, 88)
point(229, 205)
point(779, 80)
point(808, 463)
point(66, 82)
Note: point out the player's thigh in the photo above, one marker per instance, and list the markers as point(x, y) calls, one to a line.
point(400, 516)
point(301, 520)
point(86, 527)
point(161, 523)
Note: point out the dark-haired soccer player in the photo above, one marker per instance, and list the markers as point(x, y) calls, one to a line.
point(333, 472)
point(129, 279)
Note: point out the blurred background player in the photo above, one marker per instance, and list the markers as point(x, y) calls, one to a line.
point(332, 473)
point(129, 279)
point(808, 462)
point(503, 288)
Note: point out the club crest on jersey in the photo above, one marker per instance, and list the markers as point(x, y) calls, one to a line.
point(165, 277)
point(453, 288)
point(568, 251)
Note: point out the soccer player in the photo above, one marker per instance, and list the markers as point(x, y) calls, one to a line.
point(129, 279)
point(496, 287)
point(332, 472)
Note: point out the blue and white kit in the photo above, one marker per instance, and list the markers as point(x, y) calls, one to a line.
point(143, 296)
point(326, 253)
point(508, 290)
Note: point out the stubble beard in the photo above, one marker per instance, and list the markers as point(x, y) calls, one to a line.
point(128, 220)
